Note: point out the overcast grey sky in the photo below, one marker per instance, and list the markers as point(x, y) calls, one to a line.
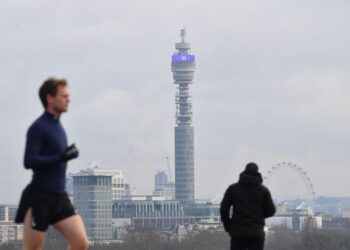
point(272, 85)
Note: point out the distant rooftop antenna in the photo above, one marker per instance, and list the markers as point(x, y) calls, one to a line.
point(183, 34)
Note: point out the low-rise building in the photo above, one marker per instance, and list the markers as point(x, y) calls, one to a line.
point(10, 231)
point(162, 214)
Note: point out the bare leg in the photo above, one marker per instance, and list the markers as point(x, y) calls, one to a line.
point(32, 239)
point(72, 228)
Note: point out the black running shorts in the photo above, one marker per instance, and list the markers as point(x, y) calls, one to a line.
point(47, 207)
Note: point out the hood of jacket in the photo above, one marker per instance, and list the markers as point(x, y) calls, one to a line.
point(250, 179)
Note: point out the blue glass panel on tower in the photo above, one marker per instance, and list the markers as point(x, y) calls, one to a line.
point(183, 58)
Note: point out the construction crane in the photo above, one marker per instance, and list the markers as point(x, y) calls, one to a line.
point(168, 164)
point(124, 171)
point(126, 156)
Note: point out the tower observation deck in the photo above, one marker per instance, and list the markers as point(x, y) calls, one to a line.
point(183, 68)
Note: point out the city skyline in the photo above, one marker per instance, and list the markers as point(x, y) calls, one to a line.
point(273, 87)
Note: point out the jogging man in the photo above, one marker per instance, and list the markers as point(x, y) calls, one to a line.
point(251, 203)
point(44, 201)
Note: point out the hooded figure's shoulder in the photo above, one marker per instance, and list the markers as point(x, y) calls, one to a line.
point(233, 188)
point(264, 188)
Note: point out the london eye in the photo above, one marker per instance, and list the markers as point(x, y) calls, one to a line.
point(287, 177)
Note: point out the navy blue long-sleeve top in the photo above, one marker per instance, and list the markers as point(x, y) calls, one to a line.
point(46, 141)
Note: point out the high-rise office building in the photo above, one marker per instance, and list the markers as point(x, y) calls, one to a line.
point(163, 187)
point(92, 196)
point(120, 187)
point(183, 68)
point(160, 179)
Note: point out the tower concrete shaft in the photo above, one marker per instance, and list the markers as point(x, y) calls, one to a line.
point(183, 68)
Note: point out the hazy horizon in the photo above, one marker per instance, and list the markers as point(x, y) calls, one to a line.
point(271, 86)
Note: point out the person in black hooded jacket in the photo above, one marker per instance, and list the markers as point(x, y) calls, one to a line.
point(251, 203)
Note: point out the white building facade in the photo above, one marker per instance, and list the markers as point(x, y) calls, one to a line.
point(9, 231)
point(120, 188)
